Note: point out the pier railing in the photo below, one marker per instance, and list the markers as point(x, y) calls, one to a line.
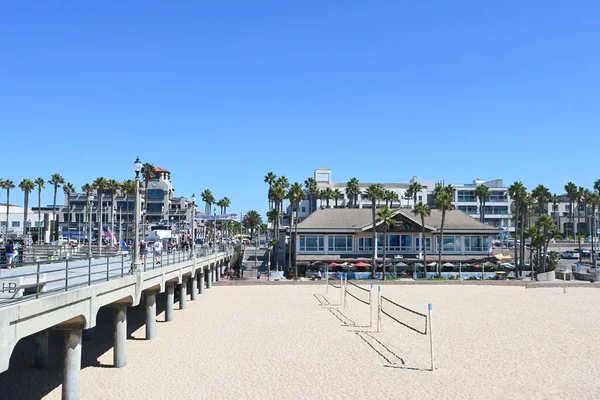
point(30, 280)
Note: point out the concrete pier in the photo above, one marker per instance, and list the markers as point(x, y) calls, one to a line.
point(209, 278)
point(150, 315)
point(201, 287)
point(169, 310)
point(183, 293)
point(71, 389)
point(41, 349)
point(194, 288)
point(120, 345)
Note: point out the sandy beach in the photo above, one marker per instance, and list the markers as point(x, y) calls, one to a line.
point(278, 342)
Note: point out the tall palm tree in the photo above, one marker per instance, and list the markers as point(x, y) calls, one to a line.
point(295, 195)
point(310, 184)
point(352, 191)
point(208, 199)
point(26, 186)
point(226, 203)
point(337, 195)
point(100, 184)
point(594, 200)
point(128, 188)
point(386, 217)
point(278, 194)
point(580, 202)
point(571, 190)
point(373, 193)
point(7, 184)
point(270, 179)
point(40, 183)
point(68, 188)
point(56, 180)
point(219, 204)
point(516, 191)
point(443, 202)
point(483, 194)
point(422, 210)
point(148, 173)
point(547, 228)
point(390, 197)
point(542, 195)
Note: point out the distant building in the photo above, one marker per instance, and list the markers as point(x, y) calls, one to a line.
point(15, 219)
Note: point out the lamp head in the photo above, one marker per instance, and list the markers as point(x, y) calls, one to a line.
point(193, 198)
point(137, 166)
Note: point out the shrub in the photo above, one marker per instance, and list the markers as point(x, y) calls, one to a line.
point(452, 277)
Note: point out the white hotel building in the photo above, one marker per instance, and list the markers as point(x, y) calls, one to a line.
point(497, 208)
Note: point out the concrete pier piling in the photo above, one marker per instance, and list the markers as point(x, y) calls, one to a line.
point(72, 368)
point(41, 349)
point(194, 288)
point(150, 315)
point(183, 293)
point(201, 287)
point(169, 310)
point(120, 345)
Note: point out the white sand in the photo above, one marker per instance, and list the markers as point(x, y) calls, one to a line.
point(276, 342)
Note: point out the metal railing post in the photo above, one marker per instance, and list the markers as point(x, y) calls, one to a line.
point(106, 267)
point(122, 264)
point(37, 282)
point(67, 276)
point(89, 271)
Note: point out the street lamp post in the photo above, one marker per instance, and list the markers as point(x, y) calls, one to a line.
point(215, 227)
point(90, 206)
point(192, 247)
point(137, 167)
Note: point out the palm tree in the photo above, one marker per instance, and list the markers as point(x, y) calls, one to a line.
point(219, 204)
point(273, 217)
point(483, 194)
point(311, 186)
point(278, 194)
point(373, 193)
point(542, 195)
point(7, 184)
point(516, 191)
point(295, 195)
point(270, 178)
point(594, 200)
point(386, 217)
point(208, 199)
point(337, 195)
point(537, 239)
point(68, 188)
point(148, 173)
point(56, 180)
point(226, 203)
point(547, 228)
point(571, 190)
point(422, 210)
point(580, 201)
point(555, 200)
point(251, 220)
point(413, 191)
point(40, 184)
point(328, 193)
point(352, 191)
point(127, 188)
point(443, 202)
point(390, 196)
point(100, 184)
point(26, 186)
point(285, 183)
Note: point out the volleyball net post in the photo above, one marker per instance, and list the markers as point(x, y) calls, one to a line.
point(371, 306)
point(378, 308)
point(430, 312)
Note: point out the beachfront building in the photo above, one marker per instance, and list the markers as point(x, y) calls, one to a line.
point(581, 216)
point(336, 234)
point(15, 220)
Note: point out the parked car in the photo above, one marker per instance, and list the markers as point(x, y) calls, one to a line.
point(570, 255)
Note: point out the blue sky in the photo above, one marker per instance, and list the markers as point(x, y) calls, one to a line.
point(220, 93)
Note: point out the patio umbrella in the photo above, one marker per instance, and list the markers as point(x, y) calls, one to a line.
point(401, 264)
point(433, 264)
point(361, 264)
point(476, 265)
point(334, 264)
point(507, 265)
point(419, 265)
point(448, 264)
point(488, 264)
point(398, 256)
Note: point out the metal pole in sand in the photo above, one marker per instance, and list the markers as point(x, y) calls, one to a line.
point(431, 335)
point(326, 280)
point(371, 307)
point(564, 279)
point(345, 287)
point(378, 308)
point(341, 289)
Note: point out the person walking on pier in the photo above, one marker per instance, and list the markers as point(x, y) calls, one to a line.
point(10, 253)
point(157, 246)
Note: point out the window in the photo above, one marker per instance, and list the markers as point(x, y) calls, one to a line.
point(476, 243)
point(155, 207)
point(37, 224)
point(2, 223)
point(420, 198)
point(466, 196)
point(322, 177)
point(406, 243)
point(303, 209)
point(365, 244)
point(393, 242)
point(451, 243)
point(427, 244)
point(339, 243)
point(469, 209)
point(15, 224)
point(496, 210)
point(156, 194)
point(498, 197)
point(312, 243)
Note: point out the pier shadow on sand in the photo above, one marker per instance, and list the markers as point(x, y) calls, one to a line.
point(23, 381)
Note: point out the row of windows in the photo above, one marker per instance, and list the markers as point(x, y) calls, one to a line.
point(343, 243)
point(489, 210)
point(469, 196)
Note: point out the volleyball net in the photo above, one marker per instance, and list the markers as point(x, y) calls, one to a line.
point(359, 293)
point(411, 319)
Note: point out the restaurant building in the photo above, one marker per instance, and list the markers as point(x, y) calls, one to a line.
point(347, 233)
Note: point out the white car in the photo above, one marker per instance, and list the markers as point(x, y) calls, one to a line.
point(570, 255)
